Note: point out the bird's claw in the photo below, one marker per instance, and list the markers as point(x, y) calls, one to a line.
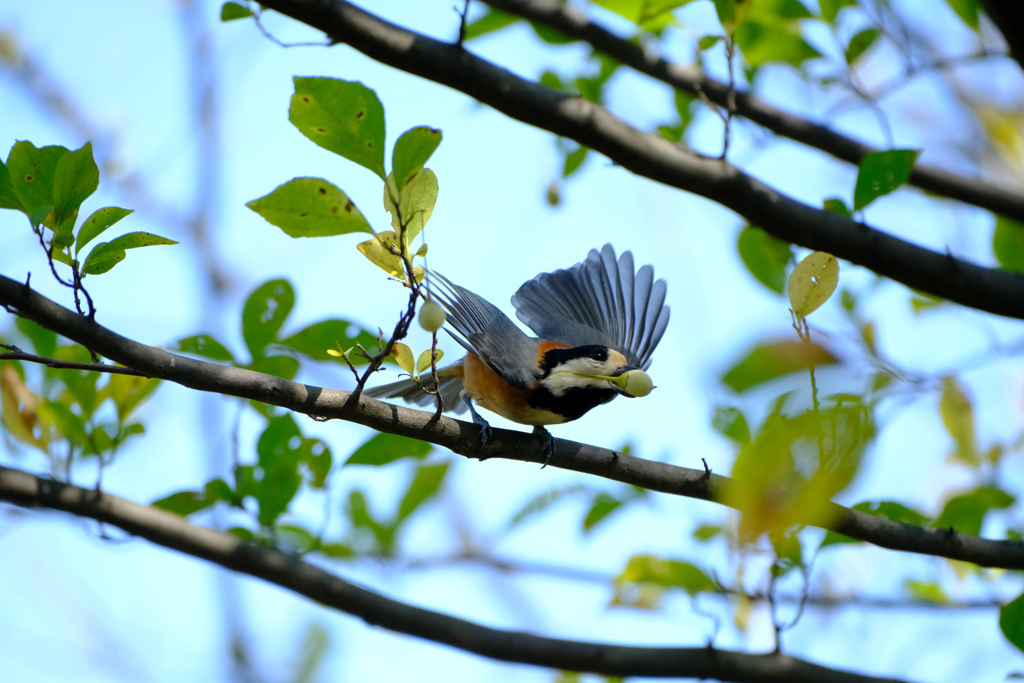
point(548, 443)
point(485, 427)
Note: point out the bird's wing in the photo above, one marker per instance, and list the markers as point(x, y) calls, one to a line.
point(488, 333)
point(599, 301)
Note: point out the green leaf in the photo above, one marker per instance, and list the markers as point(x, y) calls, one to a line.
point(75, 178)
point(550, 35)
point(204, 345)
point(837, 205)
point(412, 151)
point(44, 341)
point(768, 361)
point(543, 501)
point(779, 11)
point(284, 367)
point(731, 422)
point(708, 42)
point(1011, 621)
point(415, 205)
point(424, 485)
point(1008, 243)
point(81, 383)
point(94, 225)
point(602, 506)
point(966, 10)
point(230, 11)
point(491, 20)
point(788, 554)
point(890, 510)
point(32, 171)
point(765, 257)
point(265, 312)
point(967, 512)
point(129, 392)
point(106, 255)
point(860, 43)
point(882, 172)
point(761, 43)
point(627, 9)
point(8, 198)
point(186, 503)
point(343, 117)
point(423, 362)
point(310, 207)
point(830, 8)
point(705, 532)
point(551, 80)
point(359, 513)
point(60, 416)
point(573, 161)
point(316, 340)
point(279, 449)
point(294, 539)
point(335, 550)
point(926, 591)
point(666, 573)
point(957, 415)
point(385, 448)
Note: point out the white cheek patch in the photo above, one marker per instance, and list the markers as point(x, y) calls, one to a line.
point(563, 377)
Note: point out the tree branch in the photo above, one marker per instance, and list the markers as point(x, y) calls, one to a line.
point(463, 438)
point(226, 550)
point(1009, 19)
point(692, 79)
point(995, 291)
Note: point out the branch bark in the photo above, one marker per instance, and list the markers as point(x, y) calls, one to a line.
point(464, 437)
point(171, 531)
point(575, 23)
point(994, 291)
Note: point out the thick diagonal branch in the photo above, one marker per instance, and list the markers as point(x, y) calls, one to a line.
point(651, 156)
point(226, 550)
point(692, 79)
point(463, 437)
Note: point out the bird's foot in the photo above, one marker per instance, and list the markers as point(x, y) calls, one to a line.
point(547, 443)
point(485, 427)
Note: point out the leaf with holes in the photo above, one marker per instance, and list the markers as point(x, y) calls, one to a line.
point(343, 117)
point(265, 312)
point(310, 207)
point(812, 283)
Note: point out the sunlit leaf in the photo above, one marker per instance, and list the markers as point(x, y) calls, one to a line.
point(75, 178)
point(106, 255)
point(627, 9)
point(415, 205)
point(95, 224)
point(403, 356)
point(32, 172)
point(882, 172)
point(602, 506)
point(343, 117)
point(762, 42)
point(317, 340)
point(491, 20)
point(19, 406)
point(310, 207)
point(129, 392)
point(768, 361)
point(412, 151)
point(812, 283)
point(830, 8)
point(386, 448)
point(384, 252)
point(926, 591)
point(666, 573)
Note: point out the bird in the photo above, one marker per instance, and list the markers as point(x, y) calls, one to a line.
point(595, 322)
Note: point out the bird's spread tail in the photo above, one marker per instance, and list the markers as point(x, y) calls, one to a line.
point(411, 391)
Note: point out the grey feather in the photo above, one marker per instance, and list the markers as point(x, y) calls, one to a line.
point(488, 333)
point(599, 301)
point(410, 391)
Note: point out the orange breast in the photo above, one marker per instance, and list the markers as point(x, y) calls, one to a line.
point(490, 391)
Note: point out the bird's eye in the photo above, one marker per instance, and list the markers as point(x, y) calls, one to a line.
point(600, 355)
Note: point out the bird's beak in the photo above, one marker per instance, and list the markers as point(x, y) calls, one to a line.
point(621, 371)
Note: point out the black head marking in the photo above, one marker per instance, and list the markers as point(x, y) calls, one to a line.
point(556, 357)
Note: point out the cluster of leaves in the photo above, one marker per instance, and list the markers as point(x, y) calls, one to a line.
point(265, 312)
point(48, 185)
point(348, 119)
point(74, 413)
point(285, 460)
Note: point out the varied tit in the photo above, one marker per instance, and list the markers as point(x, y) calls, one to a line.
point(595, 322)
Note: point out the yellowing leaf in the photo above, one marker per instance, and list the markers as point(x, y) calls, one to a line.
point(812, 283)
point(423, 362)
point(403, 354)
point(958, 418)
point(415, 203)
point(383, 252)
point(19, 406)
